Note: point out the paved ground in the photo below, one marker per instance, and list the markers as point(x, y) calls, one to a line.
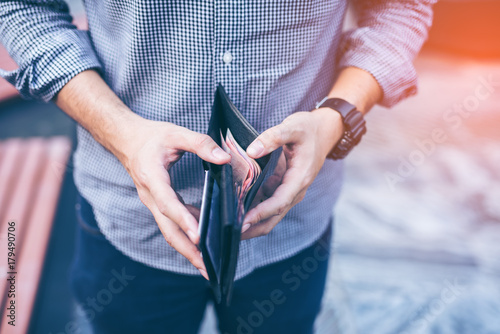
point(421, 254)
point(417, 250)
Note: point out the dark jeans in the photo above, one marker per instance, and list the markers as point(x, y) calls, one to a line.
point(119, 295)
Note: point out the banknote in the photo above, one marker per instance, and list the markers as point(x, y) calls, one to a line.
point(245, 169)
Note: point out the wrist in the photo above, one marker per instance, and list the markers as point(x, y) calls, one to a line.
point(90, 101)
point(353, 126)
point(330, 128)
point(358, 87)
point(125, 135)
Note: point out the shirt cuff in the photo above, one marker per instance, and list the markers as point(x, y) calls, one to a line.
point(60, 57)
point(393, 71)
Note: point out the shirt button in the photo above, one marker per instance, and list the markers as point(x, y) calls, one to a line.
point(228, 57)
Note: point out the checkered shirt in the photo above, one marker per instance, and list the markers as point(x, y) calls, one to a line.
point(164, 60)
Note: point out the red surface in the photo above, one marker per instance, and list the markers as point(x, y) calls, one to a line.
point(7, 90)
point(26, 167)
point(6, 63)
point(33, 187)
point(470, 28)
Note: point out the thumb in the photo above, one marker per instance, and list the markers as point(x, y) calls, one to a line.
point(204, 147)
point(268, 141)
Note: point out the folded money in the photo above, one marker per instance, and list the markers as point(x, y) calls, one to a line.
point(245, 169)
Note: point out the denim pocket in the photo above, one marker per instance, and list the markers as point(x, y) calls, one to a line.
point(91, 254)
point(85, 218)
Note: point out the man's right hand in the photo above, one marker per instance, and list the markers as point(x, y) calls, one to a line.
point(147, 149)
point(148, 155)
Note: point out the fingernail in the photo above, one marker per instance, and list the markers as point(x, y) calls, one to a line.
point(220, 154)
point(255, 148)
point(204, 273)
point(192, 235)
point(245, 228)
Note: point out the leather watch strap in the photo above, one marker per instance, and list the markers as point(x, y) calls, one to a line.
point(354, 126)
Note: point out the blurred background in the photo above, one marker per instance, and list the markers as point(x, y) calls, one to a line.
point(417, 235)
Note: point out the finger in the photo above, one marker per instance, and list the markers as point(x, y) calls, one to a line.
point(178, 240)
point(179, 197)
point(268, 141)
point(266, 190)
point(276, 178)
point(194, 211)
point(169, 205)
point(204, 147)
point(262, 228)
point(284, 133)
point(173, 234)
point(266, 226)
point(272, 182)
point(283, 198)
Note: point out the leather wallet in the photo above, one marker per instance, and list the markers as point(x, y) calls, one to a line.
point(220, 224)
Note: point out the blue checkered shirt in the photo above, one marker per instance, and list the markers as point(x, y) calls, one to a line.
point(164, 60)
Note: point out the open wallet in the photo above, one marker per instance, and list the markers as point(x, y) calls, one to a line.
point(228, 192)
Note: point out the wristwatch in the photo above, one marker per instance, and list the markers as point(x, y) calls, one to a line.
point(354, 126)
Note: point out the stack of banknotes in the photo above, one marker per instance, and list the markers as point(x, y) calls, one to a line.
point(245, 169)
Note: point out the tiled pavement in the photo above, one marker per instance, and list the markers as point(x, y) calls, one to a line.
point(422, 255)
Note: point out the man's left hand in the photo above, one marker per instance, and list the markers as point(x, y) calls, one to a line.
point(306, 138)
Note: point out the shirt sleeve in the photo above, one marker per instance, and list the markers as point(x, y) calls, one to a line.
point(389, 35)
point(47, 47)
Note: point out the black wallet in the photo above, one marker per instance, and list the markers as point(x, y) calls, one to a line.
point(220, 225)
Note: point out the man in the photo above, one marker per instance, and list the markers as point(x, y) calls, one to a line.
point(140, 83)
